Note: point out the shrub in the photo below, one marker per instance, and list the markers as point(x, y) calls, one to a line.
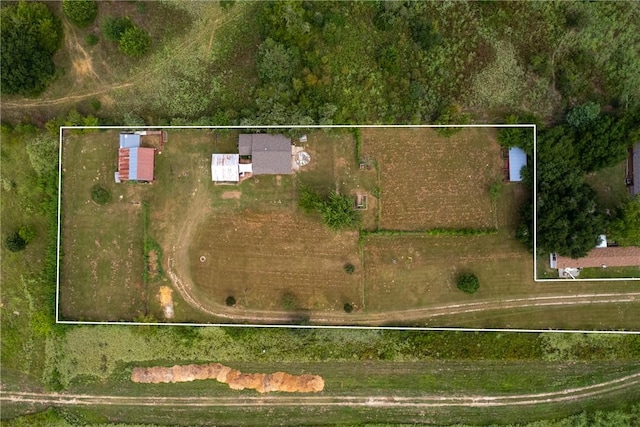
point(289, 301)
point(348, 307)
point(583, 115)
point(230, 301)
point(114, 28)
point(80, 12)
point(339, 211)
point(468, 283)
point(100, 195)
point(91, 39)
point(309, 199)
point(15, 243)
point(96, 104)
point(135, 42)
point(349, 268)
point(27, 233)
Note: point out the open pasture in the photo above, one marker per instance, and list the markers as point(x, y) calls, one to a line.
point(102, 265)
point(430, 181)
point(418, 271)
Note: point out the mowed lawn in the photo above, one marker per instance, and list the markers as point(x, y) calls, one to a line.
point(430, 181)
point(259, 257)
point(418, 271)
point(102, 246)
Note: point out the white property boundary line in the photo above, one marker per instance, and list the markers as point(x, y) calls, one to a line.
point(239, 325)
point(535, 230)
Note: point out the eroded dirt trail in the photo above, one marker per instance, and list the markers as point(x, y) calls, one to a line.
point(624, 384)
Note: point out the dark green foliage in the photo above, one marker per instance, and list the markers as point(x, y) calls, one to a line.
point(468, 283)
point(30, 35)
point(583, 115)
point(347, 307)
point(423, 33)
point(603, 143)
point(114, 28)
point(230, 301)
point(134, 42)
point(277, 63)
point(96, 104)
point(569, 221)
point(358, 137)
point(338, 211)
point(448, 116)
point(15, 242)
point(349, 268)
point(309, 199)
point(80, 12)
point(100, 195)
point(494, 191)
point(625, 230)
point(521, 137)
point(524, 232)
point(91, 39)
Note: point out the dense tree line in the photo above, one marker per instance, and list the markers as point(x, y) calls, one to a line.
point(30, 36)
point(569, 220)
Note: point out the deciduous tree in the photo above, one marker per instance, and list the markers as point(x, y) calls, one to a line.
point(30, 35)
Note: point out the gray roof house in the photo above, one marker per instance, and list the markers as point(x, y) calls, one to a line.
point(270, 154)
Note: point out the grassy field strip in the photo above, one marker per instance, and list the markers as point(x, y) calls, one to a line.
point(572, 394)
point(416, 314)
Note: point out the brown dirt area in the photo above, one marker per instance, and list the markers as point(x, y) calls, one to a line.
point(260, 256)
point(262, 383)
point(231, 195)
point(153, 264)
point(429, 181)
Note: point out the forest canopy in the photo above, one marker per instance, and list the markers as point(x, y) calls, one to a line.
point(30, 36)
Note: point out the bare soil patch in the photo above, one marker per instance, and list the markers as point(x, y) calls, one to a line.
point(262, 383)
point(152, 263)
point(430, 181)
point(231, 195)
point(165, 295)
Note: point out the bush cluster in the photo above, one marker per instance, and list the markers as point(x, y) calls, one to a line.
point(468, 283)
point(100, 195)
point(337, 210)
point(80, 12)
point(132, 40)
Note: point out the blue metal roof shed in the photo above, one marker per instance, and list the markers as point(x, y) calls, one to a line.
point(129, 140)
point(517, 160)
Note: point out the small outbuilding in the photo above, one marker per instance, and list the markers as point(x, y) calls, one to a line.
point(225, 167)
point(517, 160)
point(129, 140)
point(135, 163)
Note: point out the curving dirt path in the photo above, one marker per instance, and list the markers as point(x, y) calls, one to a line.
point(81, 64)
point(398, 316)
point(628, 382)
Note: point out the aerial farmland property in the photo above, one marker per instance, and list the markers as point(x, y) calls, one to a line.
point(208, 229)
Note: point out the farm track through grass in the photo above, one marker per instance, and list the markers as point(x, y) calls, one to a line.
point(343, 407)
